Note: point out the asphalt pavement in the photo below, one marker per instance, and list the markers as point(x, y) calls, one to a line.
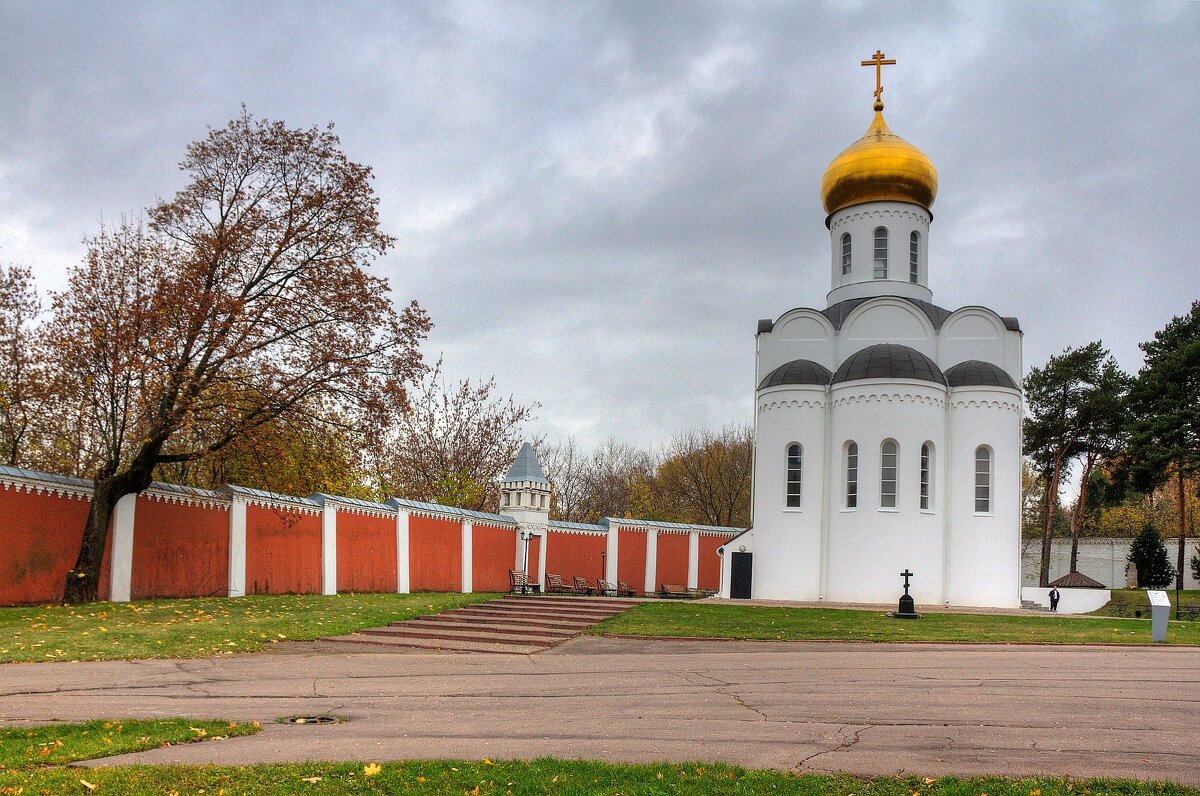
point(869, 709)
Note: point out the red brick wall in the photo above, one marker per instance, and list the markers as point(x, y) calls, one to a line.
point(492, 553)
point(434, 554)
point(283, 551)
point(671, 566)
point(41, 534)
point(710, 562)
point(366, 552)
point(571, 554)
point(631, 558)
point(179, 550)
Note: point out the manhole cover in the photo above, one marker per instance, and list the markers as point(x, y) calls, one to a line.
point(310, 720)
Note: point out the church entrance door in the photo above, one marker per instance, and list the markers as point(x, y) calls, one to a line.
point(740, 575)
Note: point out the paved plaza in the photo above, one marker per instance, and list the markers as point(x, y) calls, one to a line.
point(870, 709)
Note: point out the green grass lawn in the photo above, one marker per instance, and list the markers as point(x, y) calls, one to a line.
point(544, 776)
point(197, 628)
point(56, 744)
point(760, 622)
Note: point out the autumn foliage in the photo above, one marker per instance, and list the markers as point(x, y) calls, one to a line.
point(243, 301)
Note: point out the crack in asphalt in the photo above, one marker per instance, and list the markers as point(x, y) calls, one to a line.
point(842, 745)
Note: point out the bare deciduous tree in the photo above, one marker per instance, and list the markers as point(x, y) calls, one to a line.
point(453, 445)
point(22, 377)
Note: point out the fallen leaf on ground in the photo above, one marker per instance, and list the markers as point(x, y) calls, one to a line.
point(372, 769)
point(87, 784)
point(313, 780)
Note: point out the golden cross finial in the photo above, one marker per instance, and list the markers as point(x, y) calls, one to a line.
point(878, 61)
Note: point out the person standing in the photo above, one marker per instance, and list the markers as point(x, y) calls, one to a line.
point(1054, 595)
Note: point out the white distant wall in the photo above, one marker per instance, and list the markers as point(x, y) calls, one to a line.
point(1102, 559)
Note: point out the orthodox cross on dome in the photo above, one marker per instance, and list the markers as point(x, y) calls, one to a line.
point(879, 61)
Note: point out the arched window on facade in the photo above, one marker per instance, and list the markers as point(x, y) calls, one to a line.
point(914, 251)
point(846, 254)
point(888, 453)
point(795, 465)
point(881, 252)
point(852, 475)
point(926, 471)
point(983, 480)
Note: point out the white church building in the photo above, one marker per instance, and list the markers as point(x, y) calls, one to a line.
point(887, 429)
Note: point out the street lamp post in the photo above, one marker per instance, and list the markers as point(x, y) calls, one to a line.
point(525, 535)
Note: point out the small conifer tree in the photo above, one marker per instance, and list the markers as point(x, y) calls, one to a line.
point(1150, 555)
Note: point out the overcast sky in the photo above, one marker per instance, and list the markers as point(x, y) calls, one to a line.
point(597, 201)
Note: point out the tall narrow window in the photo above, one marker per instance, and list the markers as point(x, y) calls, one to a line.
point(926, 464)
point(983, 480)
point(846, 254)
point(794, 475)
point(881, 252)
point(914, 250)
point(887, 475)
point(852, 475)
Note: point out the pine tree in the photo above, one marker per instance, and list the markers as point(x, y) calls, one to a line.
point(1149, 554)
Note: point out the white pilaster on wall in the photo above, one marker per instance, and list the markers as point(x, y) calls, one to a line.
point(610, 565)
point(651, 561)
point(403, 584)
point(121, 570)
point(519, 550)
point(328, 549)
point(237, 547)
point(545, 542)
point(693, 559)
point(468, 559)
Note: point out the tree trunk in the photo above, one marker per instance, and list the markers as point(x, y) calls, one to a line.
point(1051, 509)
point(83, 580)
point(1080, 508)
point(1179, 562)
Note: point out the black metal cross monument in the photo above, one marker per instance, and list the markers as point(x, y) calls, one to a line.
point(907, 608)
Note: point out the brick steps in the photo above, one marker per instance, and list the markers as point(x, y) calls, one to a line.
point(515, 625)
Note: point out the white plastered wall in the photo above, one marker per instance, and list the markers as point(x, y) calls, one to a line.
point(985, 548)
point(786, 415)
point(979, 333)
point(870, 546)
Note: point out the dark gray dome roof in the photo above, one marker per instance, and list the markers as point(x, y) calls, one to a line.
point(977, 373)
point(889, 361)
point(798, 371)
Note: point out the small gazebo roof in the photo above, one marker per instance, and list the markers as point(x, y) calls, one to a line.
point(1077, 580)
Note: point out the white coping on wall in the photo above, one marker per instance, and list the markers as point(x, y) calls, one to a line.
point(46, 483)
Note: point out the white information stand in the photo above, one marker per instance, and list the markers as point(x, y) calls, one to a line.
point(1160, 611)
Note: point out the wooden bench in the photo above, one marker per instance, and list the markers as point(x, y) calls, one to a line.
point(518, 583)
point(556, 585)
point(674, 590)
point(625, 590)
point(581, 585)
point(606, 588)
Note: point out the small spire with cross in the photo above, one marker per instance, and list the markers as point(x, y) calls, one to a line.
point(879, 61)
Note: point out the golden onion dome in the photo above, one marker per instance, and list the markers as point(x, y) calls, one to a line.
point(879, 167)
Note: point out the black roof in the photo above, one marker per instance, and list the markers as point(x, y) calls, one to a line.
point(889, 361)
point(937, 316)
point(975, 372)
point(798, 371)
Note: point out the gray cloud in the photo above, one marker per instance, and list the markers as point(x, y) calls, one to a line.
point(596, 201)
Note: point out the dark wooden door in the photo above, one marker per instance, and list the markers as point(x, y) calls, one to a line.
point(741, 575)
